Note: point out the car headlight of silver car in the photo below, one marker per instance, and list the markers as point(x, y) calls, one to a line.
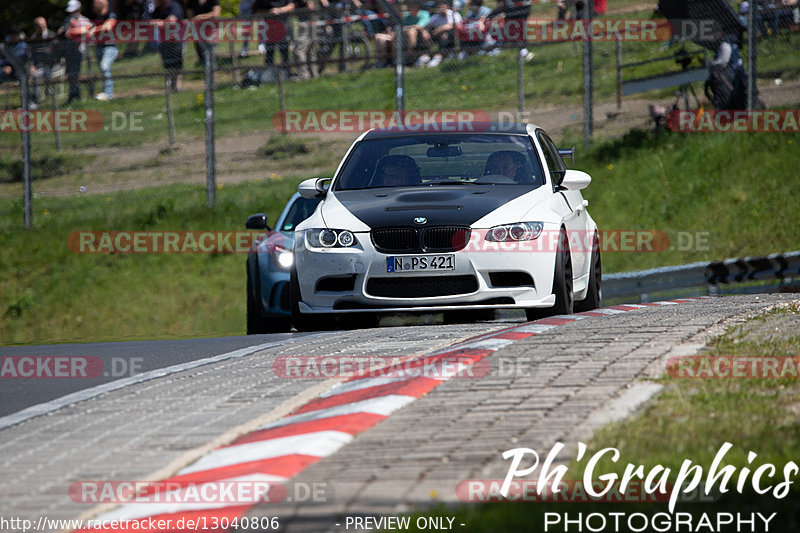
point(283, 257)
point(521, 231)
point(330, 238)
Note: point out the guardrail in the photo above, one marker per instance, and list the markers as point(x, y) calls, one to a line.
point(711, 278)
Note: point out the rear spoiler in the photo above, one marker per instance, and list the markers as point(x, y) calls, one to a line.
point(567, 153)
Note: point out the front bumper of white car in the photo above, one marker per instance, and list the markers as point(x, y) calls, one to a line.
point(485, 275)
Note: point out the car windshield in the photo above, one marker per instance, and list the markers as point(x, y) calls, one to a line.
point(441, 159)
point(301, 209)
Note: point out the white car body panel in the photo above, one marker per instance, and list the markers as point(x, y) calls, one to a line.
point(364, 262)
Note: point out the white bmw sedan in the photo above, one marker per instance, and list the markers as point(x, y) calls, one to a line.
point(438, 220)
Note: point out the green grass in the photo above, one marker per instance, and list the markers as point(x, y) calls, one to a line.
point(690, 420)
point(735, 187)
point(49, 294)
point(670, 182)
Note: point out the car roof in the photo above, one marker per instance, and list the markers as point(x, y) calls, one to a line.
point(450, 127)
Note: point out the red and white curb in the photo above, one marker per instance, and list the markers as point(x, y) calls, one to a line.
point(280, 450)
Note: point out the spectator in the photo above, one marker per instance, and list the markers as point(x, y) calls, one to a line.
point(414, 33)
point(600, 7)
point(308, 33)
point(571, 9)
point(130, 10)
point(276, 8)
point(43, 53)
point(727, 76)
point(75, 28)
point(246, 12)
point(794, 6)
point(476, 16)
point(20, 51)
point(169, 11)
point(198, 11)
point(511, 10)
point(370, 8)
point(442, 31)
point(106, 48)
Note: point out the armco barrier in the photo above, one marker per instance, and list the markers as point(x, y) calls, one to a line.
point(641, 284)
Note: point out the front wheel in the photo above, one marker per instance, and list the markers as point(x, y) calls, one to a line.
point(562, 284)
point(256, 323)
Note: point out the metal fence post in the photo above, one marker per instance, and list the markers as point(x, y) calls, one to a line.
point(619, 75)
point(211, 162)
point(399, 73)
point(282, 96)
point(27, 185)
point(751, 56)
point(170, 117)
point(520, 85)
point(587, 80)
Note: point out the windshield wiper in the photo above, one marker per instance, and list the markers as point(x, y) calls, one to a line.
point(451, 182)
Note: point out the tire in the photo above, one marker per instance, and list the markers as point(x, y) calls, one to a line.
point(594, 294)
point(302, 322)
point(562, 284)
point(257, 324)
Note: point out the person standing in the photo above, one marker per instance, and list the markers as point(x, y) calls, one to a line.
point(276, 8)
point(43, 56)
point(75, 28)
point(106, 47)
point(163, 12)
point(198, 11)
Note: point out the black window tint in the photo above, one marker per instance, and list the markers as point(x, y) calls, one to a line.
point(301, 209)
point(553, 160)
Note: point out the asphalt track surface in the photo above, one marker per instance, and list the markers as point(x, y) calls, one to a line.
point(579, 375)
point(119, 360)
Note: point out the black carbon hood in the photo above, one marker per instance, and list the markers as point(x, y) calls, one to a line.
point(443, 205)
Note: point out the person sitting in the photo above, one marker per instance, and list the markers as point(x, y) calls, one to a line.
point(441, 30)
point(414, 33)
point(396, 171)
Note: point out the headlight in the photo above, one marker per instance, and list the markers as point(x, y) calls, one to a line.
point(284, 257)
point(330, 238)
point(521, 231)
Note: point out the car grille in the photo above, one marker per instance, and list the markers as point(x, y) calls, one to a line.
point(395, 240)
point(434, 239)
point(422, 286)
point(447, 239)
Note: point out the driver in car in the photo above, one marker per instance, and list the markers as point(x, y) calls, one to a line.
point(501, 163)
point(396, 171)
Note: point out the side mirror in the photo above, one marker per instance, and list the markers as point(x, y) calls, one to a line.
point(575, 180)
point(313, 188)
point(257, 221)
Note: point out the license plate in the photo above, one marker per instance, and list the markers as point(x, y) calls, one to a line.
point(416, 263)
